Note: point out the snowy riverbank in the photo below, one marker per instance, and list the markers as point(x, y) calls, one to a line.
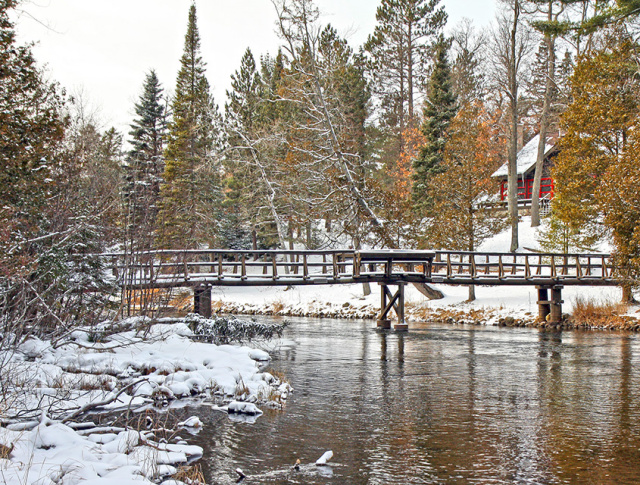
point(48, 388)
point(509, 306)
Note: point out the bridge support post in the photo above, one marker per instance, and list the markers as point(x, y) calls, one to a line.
point(556, 305)
point(543, 302)
point(550, 309)
point(388, 301)
point(202, 301)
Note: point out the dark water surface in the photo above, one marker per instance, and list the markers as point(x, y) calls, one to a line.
point(441, 404)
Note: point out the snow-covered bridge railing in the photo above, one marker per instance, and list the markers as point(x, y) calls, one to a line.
point(202, 269)
point(484, 268)
point(189, 268)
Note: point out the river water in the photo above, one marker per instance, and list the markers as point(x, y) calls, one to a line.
point(441, 404)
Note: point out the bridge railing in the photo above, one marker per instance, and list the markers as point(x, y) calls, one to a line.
point(172, 267)
point(168, 268)
point(505, 266)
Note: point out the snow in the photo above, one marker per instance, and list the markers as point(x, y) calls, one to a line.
point(161, 365)
point(324, 458)
point(53, 453)
point(527, 157)
point(243, 408)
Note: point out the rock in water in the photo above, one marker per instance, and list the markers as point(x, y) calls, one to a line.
point(325, 458)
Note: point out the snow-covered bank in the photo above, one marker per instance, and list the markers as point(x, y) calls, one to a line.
point(140, 365)
point(510, 306)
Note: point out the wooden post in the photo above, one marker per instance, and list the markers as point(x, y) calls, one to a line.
point(555, 316)
point(544, 307)
point(383, 322)
point(401, 326)
point(389, 301)
point(202, 301)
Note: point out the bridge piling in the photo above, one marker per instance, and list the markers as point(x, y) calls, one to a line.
point(388, 301)
point(556, 305)
point(543, 302)
point(550, 310)
point(202, 301)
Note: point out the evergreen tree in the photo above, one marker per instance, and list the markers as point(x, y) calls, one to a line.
point(440, 107)
point(242, 183)
point(473, 153)
point(145, 163)
point(466, 74)
point(31, 129)
point(47, 237)
point(399, 54)
point(190, 195)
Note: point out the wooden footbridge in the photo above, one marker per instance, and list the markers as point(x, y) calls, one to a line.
point(203, 269)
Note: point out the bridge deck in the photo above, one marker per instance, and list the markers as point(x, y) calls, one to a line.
point(193, 268)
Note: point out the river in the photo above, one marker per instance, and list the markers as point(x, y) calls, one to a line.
point(441, 404)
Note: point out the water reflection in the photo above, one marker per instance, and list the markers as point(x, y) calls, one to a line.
point(442, 404)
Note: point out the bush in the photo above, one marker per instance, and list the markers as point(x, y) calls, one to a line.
point(225, 330)
point(593, 313)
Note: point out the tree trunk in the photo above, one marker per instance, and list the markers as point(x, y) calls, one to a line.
point(512, 177)
point(544, 122)
point(410, 74)
point(627, 294)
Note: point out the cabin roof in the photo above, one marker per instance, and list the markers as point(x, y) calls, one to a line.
point(526, 158)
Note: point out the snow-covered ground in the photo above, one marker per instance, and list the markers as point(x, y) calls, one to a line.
point(54, 381)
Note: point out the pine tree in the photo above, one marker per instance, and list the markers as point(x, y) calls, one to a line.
point(399, 54)
point(473, 153)
point(242, 182)
point(467, 74)
point(31, 128)
point(190, 194)
point(145, 163)
point(50, 227)
point(440, 107)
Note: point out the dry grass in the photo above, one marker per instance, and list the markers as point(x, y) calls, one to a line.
point(191, 475)
point(594, 313)
point(182, 303)
point(241, 389)
point(5, 451)
point(277, 306)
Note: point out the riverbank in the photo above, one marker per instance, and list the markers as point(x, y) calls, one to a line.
point(501, 306)
point(51, 388)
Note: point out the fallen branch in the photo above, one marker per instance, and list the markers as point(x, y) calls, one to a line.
point(91, 406)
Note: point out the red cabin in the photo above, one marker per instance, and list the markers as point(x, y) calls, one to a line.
point(526, 167)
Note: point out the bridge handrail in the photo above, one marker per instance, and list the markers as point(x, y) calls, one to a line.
point(215, 266)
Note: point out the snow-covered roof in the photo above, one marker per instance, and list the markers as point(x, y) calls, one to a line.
point(526, 158)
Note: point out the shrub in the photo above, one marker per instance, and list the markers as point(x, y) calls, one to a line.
point(225, 330)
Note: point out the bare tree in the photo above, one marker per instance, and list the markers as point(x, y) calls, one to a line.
point(511, 49)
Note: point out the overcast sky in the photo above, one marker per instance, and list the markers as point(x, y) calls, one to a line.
point(104, 47)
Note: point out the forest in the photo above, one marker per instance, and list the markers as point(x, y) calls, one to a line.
point(390, 144)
